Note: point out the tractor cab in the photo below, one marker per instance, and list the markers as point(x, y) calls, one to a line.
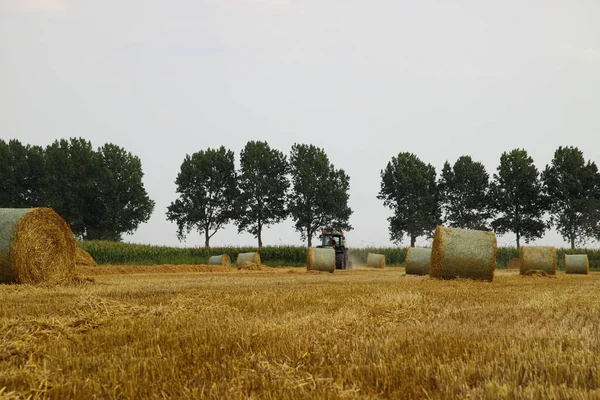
point(337, 241)
point(332, 239)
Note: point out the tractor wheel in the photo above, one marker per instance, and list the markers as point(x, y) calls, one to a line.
point(339, 261)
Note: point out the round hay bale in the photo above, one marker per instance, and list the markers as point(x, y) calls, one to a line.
point(418, 260)
point(84, 258)
point(318, 259)
point(36, 246)
point(541, 258)
point(252, 257)
point(375, 260)
point(577, 264)
point(463, 253)
point(222, 259)
point(514, 263)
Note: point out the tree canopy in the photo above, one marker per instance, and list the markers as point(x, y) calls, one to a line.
point(319, 197)
point(517, 197)
point(21, 174)
point(574, 187)
point(99, 199)
point(263, 186)
point(464, 191)
point(409, 189)
point(207, 190)
point(71, 183)
point(123, 201)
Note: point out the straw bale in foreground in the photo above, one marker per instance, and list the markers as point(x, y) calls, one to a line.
point(36, 246)
point(463, 253)
point(418, 260)
point(319, 259)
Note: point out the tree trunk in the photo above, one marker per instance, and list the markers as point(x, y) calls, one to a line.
point(259, 237)
point(309, 236)
point(518, 240)
point(413, 239)
point(572, 241)
point(206, 239)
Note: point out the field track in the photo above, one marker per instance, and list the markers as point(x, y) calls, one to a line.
point(287, 333)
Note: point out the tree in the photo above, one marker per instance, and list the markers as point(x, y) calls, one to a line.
point(573, 185)
point(409, 189)
point(21, 173)
point(9, 192)
point(71, 183)
point(207, 190)
point(263, 185)
point(319, 196)
point(464, 194)
point(123, 200)
point(518, 198)
point(33, 180)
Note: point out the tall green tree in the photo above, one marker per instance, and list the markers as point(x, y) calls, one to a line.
point(123, 201)
point(9, 190)
point(464, 191)
point(518, 198)
point(574, 187)
point(21, 174)
point(319, 197)
point(263, 184)
point(409, 189)
point(35, 176)
point(71, 183)
point(207, 187)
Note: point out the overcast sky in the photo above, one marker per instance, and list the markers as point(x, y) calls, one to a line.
point(364, 80)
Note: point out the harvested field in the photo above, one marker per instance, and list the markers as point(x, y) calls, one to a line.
point(147, 269)
point(292, 333)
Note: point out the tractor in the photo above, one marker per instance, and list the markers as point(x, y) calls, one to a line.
point(337, 241)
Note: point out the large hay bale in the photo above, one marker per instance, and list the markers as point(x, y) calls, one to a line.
point(541, 258)
point(463, 253)
point(418, 260)
point(222, 259)
point(84, 258)
point(375, 260)
point(514, 263)
point(252, 257)
point(36, 246)
point(318, 259)
point(577, 264)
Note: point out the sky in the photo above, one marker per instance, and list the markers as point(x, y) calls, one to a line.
point(363, 80)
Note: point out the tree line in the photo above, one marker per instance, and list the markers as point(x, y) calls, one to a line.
point(518, 199)
point(100, 193)
point(268, 188)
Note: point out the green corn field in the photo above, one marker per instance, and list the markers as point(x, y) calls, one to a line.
point(105, 252)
